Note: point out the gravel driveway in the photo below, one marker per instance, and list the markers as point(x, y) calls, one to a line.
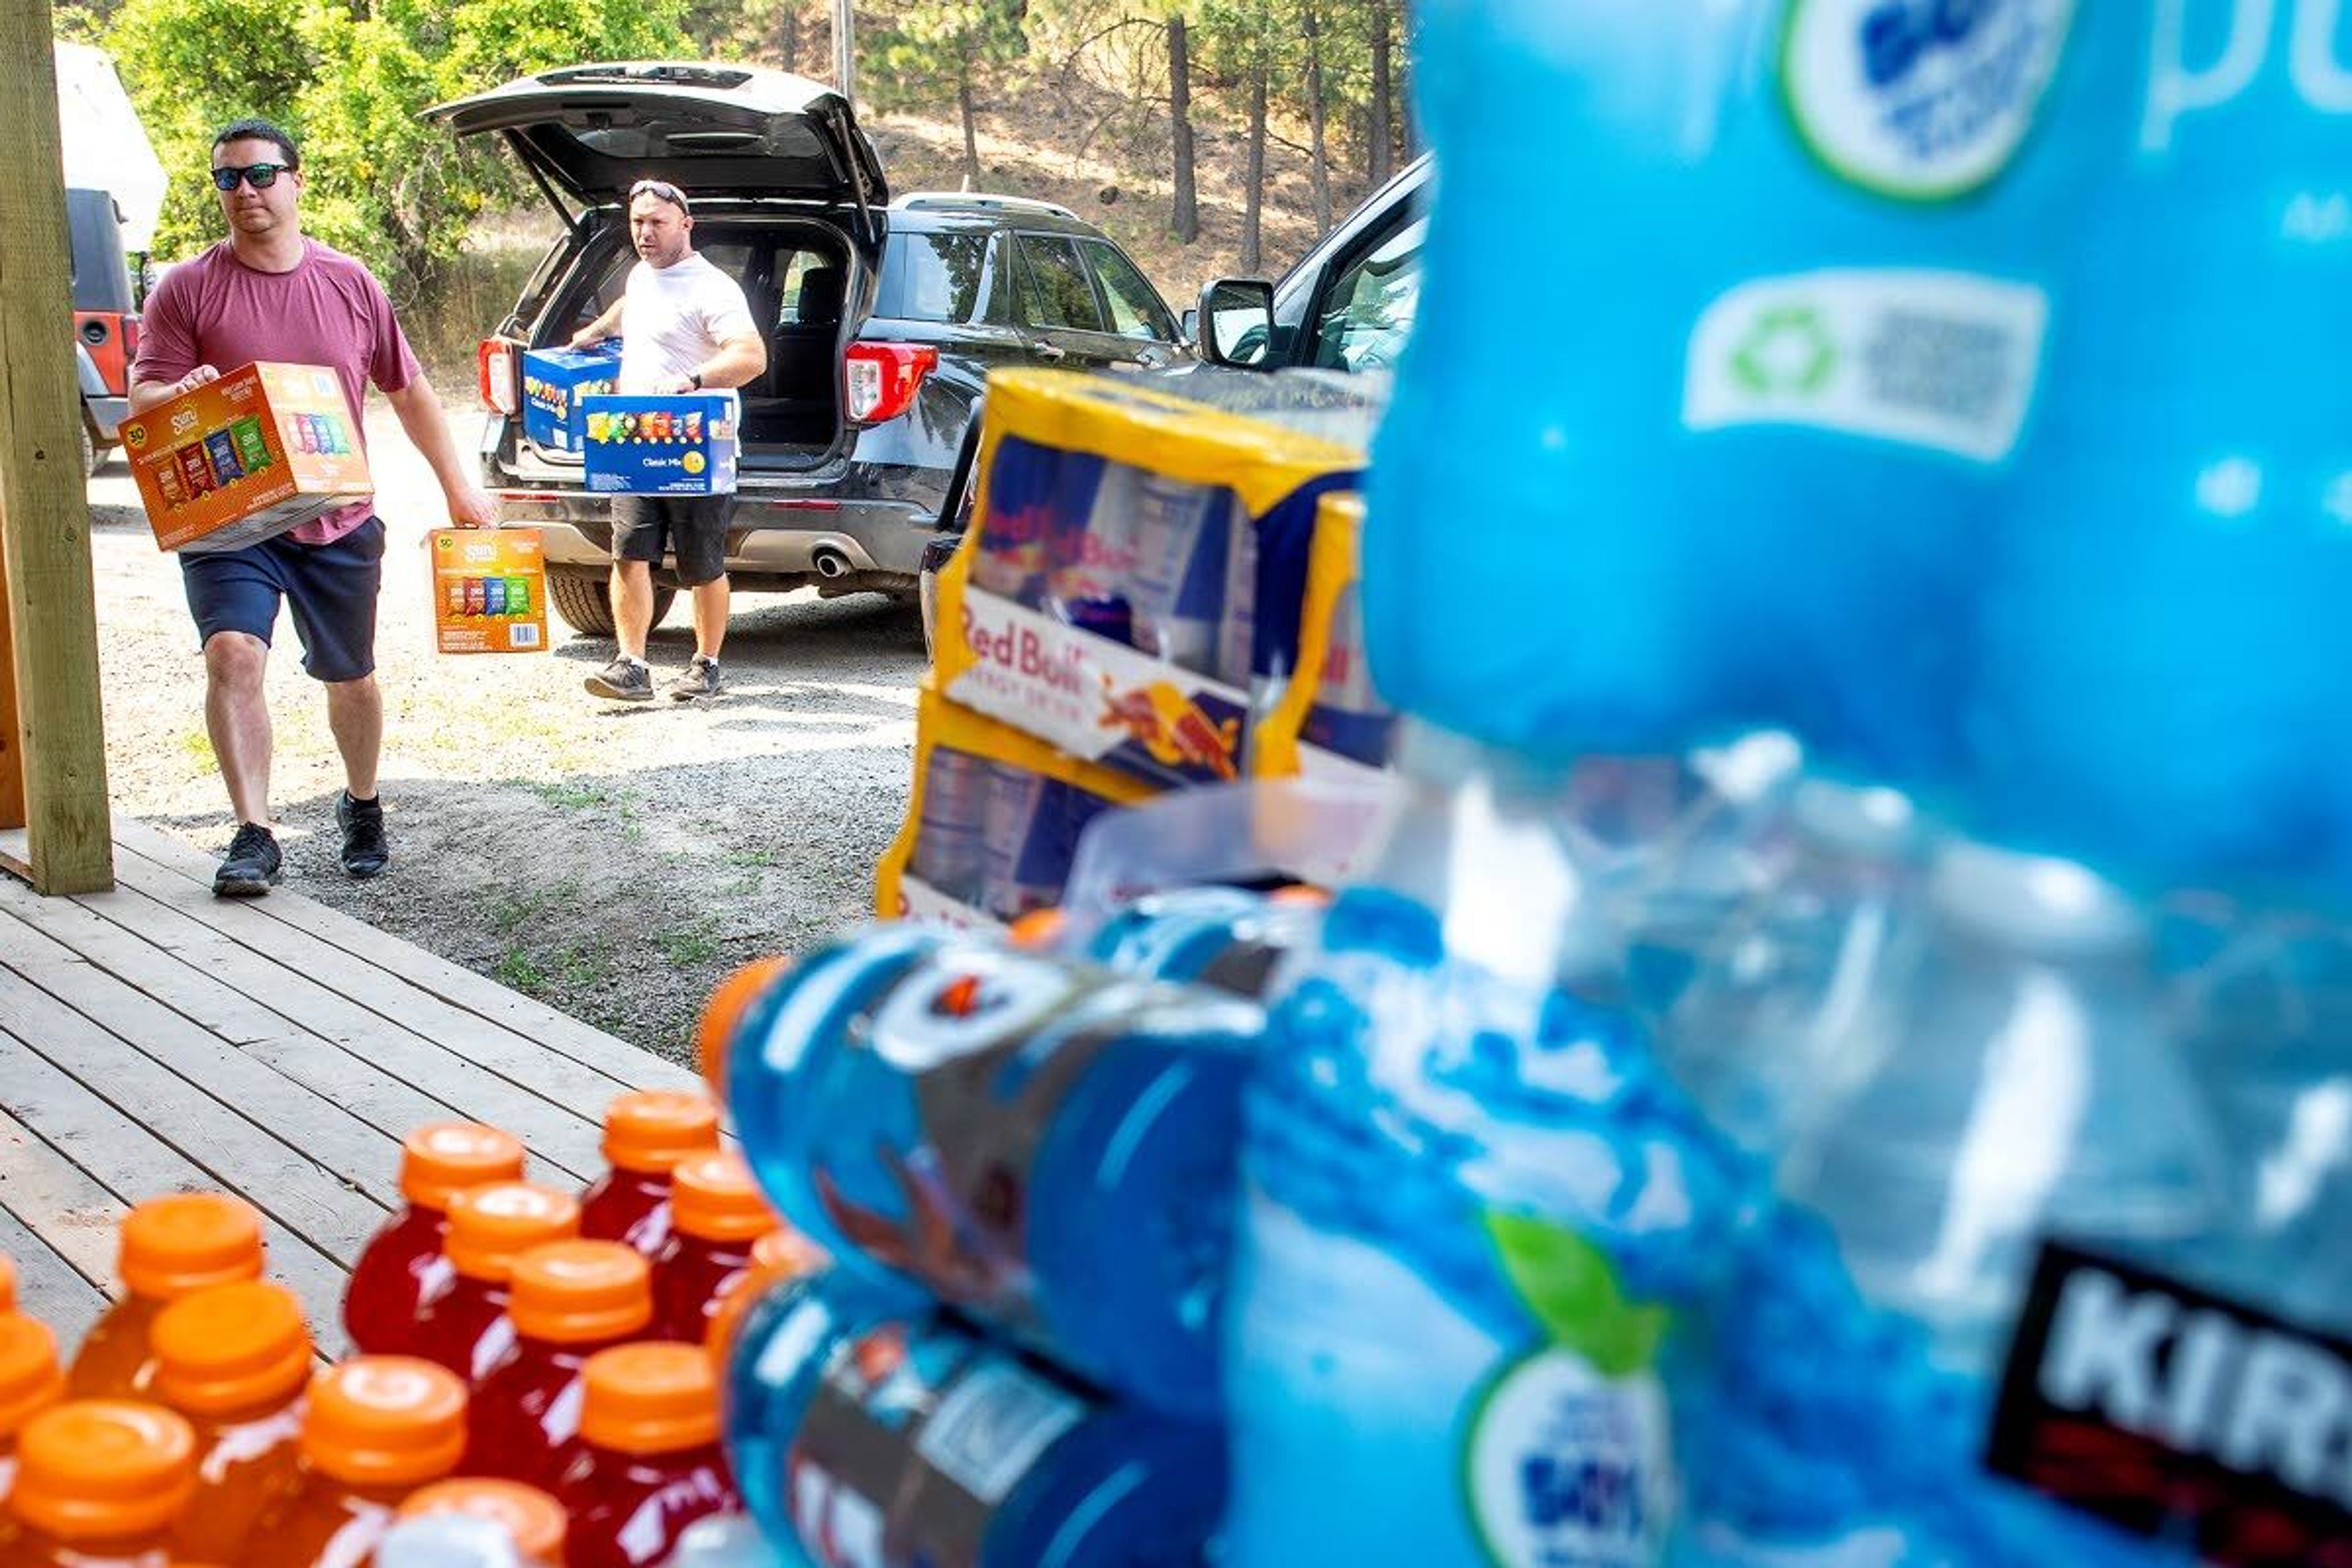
point(615, 862)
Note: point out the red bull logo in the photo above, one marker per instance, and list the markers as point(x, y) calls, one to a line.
point(1172, 728)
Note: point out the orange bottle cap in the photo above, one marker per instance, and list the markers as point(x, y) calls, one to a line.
point(580, 1292)
point(489, 1226)
point(1300, 895)
point(649, 1399)
point(1038, 931)
point(384, 1421)
point(652, 1130)
point(442, 1159)
point(230, 1347)
point(713, 1198)
point(187, 1241)
point(724, 1012)
point(30, 1379)
point(782, 1254)
point(535, 1521)
point(98, 1468)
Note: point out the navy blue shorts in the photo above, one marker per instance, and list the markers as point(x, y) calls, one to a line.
point(331, 589)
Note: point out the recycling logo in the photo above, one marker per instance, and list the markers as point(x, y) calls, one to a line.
point(1788, 352)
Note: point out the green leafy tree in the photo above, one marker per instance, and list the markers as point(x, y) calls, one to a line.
point(381, 184)
point(931, 47)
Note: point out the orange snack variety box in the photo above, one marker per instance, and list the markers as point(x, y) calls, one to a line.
point(490, 590)
point(265, 448)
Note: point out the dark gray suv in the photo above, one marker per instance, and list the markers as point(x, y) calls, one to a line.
point(883, 316)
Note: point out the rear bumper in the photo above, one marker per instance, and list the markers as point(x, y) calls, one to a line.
point(866, 518)
point(765, 538)
point(107, 415)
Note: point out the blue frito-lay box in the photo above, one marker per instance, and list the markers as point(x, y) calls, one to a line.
point(682, 444)
point(555, 384)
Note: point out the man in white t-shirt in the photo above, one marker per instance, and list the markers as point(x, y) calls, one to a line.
point(684, 326)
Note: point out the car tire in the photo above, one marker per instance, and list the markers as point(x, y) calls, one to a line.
point(584, 600)
point(92, 454)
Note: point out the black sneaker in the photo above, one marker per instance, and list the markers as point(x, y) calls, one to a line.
point(251, 864)
point(700, 679)
point(622, 681)
point(365, 853)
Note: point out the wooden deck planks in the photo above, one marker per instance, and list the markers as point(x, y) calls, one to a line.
point(153, 1038)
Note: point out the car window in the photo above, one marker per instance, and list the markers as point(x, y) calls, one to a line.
point(940, 277)
point(1368, 311)
point(1135, 311)
point(1055, 288)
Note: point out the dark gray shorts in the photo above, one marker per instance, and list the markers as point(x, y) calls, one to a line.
point(692, 528)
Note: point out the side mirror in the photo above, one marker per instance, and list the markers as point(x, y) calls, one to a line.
point(1236, 322)
point(1192, 328)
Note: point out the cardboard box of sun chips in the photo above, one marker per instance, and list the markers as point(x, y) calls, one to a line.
point(490, 590)
point(265, 448)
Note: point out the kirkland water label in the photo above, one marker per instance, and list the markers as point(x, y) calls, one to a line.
point(1945, 360)
point(1566, 1460)
point(2156, 1406)
point(1919, 99)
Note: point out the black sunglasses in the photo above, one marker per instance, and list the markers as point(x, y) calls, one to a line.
point(260, 177)
point(661, 190)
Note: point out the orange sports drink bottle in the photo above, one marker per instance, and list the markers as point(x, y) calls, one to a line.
point(649, 1464)
point(405, 1265)
point(374, 1430)
point(171, 1247)
point(465, 1328)
point(777, 1258)
point(717, 1213)
point(647, 1134)
point(234, 1360)
point(532, 1519)
point(714, 1031)
point(100, 1483)
point(30, 1382)
point(569, 1299)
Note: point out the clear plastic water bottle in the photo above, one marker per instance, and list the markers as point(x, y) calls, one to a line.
point(2031, 1087)
point(1794, 996)
point(2167, 695)
point(2267, 1023)
point(1046, 1145)
point(2028, 1091)
point(889, 1435)
point(1475, 1214)
point(1807, 251)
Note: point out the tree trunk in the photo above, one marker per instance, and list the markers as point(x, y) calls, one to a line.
point(1379, 145)
point(1187, 216)
point(1317, 119)
point(788, 35)
point(970, 131)
point(1404, 89)
point(1254, 180)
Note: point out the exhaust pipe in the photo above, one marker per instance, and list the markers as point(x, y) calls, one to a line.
point(830, 563)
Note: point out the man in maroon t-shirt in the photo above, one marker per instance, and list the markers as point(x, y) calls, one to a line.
point(267, 293)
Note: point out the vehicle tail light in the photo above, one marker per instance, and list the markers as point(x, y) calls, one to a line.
point(498, 366)
point(131, 336)
point(881, 379)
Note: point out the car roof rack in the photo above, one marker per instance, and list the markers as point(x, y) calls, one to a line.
point(982, 200)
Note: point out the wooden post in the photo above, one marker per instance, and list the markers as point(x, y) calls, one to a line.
point(12, 757)
point(44, 501)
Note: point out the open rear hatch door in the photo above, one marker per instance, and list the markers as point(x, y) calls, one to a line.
point(589, 132)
